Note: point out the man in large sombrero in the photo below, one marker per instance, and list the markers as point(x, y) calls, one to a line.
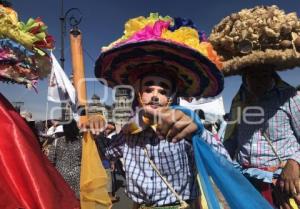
point(162, 58)
point(265, 135)
point(27, 178)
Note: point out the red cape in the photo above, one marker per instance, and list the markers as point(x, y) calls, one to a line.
point(27, 178)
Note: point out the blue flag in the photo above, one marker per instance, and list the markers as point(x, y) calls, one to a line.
point(237, 190)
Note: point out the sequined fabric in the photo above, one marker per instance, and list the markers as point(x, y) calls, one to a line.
point(66, 156)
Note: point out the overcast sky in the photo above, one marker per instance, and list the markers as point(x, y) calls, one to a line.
point(103, 22)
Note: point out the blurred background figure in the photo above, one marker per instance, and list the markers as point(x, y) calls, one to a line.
point(27, 116)
point(222, 128)
point(55, 128)
point(64, 150)
point(103, 141)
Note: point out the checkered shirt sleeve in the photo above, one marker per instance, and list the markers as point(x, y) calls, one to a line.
point(294, 107)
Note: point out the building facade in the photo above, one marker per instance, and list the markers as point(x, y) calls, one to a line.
point(119, 112)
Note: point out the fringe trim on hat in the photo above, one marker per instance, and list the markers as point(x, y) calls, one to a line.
point(281, 60)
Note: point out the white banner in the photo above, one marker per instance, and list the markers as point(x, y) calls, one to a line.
point(60, 87)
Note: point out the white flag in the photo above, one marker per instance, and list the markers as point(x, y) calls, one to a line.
point(60, 87)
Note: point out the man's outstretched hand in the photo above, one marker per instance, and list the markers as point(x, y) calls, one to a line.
point(172, 124)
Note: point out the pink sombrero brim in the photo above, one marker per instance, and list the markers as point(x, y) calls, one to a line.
point(197, 76)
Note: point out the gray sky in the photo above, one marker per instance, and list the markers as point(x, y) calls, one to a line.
point(103, 22)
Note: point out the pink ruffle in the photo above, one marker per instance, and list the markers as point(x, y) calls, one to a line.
point(150, 32)
point(5, 54)
point(17, 72)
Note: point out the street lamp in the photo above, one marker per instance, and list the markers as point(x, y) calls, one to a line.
point(74, 18)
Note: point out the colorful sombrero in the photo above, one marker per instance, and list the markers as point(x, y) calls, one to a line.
point(22, 49)
point(263, 35)
point(166, 45)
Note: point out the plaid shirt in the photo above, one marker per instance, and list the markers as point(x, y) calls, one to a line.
point(281, 124)
point(175, 161)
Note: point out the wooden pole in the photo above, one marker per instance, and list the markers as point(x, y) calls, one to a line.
point(78, 72)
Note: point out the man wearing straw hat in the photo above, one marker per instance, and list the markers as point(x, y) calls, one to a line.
point(162, 58)
point(27, 179)
point(264, 132)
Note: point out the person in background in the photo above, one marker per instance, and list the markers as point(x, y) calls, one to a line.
point(103, 140)
point(27, 116)
point(263, 135)
point(223, 123)
point(64, 151)
point(268, 148)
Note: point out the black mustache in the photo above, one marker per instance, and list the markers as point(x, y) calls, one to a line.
point(154, 103)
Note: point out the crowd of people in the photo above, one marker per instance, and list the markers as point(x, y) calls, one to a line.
point(164, 59)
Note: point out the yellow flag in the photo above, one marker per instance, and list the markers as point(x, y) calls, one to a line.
point(293, 203)
point(202, 199)
point(93, 178)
